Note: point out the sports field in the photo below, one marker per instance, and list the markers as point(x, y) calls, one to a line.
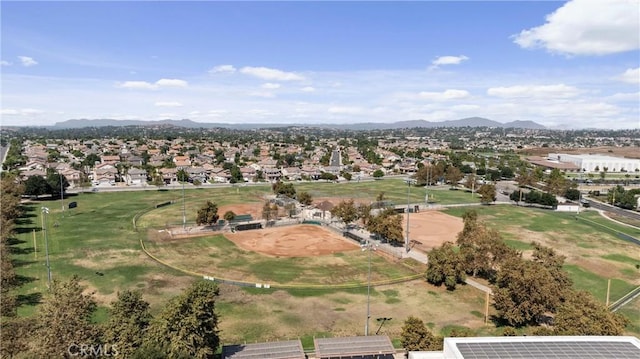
point(97, 241)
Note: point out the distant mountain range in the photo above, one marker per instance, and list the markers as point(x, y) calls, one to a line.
point(465, 122)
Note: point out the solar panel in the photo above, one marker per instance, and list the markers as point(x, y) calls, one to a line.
point(549, 349)
point(291, 349)
point(353, 346)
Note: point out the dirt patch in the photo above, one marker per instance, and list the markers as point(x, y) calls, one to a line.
point(432, 228)
point(292, 241)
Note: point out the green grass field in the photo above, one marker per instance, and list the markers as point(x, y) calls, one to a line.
point(594, 253)
point(97, 241)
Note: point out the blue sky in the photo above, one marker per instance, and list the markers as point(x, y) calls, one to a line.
point(569, 64)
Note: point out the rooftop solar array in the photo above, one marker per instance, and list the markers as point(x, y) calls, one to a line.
point(549, 349)
point(353, 346)
point(291, 349)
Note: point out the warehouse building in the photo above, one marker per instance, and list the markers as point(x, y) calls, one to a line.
point(597, 163)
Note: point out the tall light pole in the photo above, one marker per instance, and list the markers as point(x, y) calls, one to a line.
point(184, 216)
point(61, 192)
point(368, 246)
point(409, 182)
point(45, 211)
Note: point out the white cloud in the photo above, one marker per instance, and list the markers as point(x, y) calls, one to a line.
point(137, 85)
point(307, 89)
point(168, 104)
point(20, 112)
point(345, 110)
point(264, 94)
point(270, 85)
point(223, 69)
point(587, 27)
point(622, 96)
point(27, 61)
point(535, 91)
point(266, 73)
point(172, 83)
point(448, 60)
point(5, 63)
point(631, 76)
point(444, 96)
point(143, 85)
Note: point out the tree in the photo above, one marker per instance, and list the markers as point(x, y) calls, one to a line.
point(525, 177)
point(207, 214)
point(36, 186)
point(16, 336)
point(328, 176)
point(378, 174)
point(453, 175)
point(364, 213)
point(553, 262)
point(572, 194)
point(556, 183)
point(229, 215)
point(269, 211)
point(526, 290)
point(128, 322)
point(54, 179)
point(482, 249)
point(416, 336)
point(582, 314)
point(182, 175)
point(388, 225)
point(470, 182)
point(445, 266)
point(285, 189)
point(347, 176)
point(304, 198)
point(64, 318)
point(188, 325)
point(487, 193)
point(346, 211)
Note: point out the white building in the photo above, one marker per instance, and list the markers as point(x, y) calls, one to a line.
point(597, 163)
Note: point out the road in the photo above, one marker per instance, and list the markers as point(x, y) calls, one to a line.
point(609, 208)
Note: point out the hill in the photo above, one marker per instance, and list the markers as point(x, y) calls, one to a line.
point(465, 122)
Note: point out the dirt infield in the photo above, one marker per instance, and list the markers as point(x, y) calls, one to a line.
point(431, 228)
point(292, 241)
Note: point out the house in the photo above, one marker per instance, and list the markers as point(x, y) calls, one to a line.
point(169, 175)
point(109, 159)
point(272, 174)
point(74, 177)
point(136, 176)
point(199, 174)
point(293, 173)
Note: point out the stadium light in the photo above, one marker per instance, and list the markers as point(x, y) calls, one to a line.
point(45, 211)
point(409, 182)
point(368, 246)
point(382, 321)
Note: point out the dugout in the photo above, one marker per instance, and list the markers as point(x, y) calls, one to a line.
point(363, 347)
point(247, 226)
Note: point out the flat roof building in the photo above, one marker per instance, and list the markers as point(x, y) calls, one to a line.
point(557, 347)
point(597, 163)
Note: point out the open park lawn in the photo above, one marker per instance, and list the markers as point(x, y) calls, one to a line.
point(321, 293)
